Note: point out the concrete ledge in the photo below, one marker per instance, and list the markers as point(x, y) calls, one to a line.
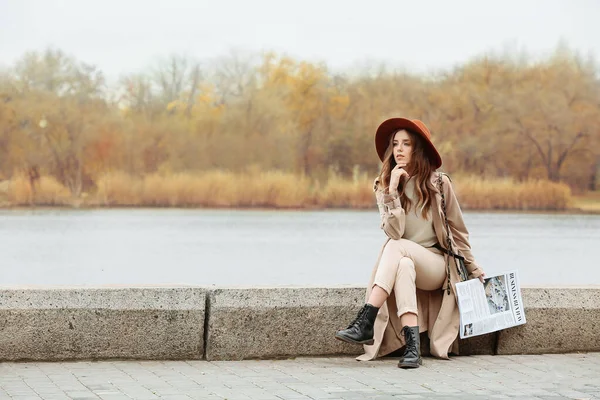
point(279, 322)
point(101, 323)
point(559, 320)
point(286, 322)
point(244, 323)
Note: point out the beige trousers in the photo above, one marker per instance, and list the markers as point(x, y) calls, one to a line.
point(405, 266)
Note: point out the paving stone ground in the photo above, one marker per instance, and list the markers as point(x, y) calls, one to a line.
point(557, 376)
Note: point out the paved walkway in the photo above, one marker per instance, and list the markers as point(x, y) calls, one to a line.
point(574, 376)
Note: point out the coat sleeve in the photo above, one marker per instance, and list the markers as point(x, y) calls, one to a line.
point(391, 212)
point(459, 231)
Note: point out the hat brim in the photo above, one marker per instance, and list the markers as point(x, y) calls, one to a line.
point(392, 125)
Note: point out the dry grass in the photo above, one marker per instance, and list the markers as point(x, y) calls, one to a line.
point(588, 202)
point(344, 193)
point(118, 189)
point(272, 189)
point(504, 194)
point(276, 189)
point(47, 192)
point(210, 189)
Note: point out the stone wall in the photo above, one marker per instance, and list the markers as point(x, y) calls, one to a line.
point(559, 320)
point(279, 322)
point(102, 323)
point(241, 323)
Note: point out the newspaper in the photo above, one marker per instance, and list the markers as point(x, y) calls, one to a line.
point(490, 306)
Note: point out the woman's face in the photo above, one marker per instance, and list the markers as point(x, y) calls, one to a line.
point(402, 145)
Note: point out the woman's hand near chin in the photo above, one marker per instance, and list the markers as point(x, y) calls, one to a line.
point(395, 176)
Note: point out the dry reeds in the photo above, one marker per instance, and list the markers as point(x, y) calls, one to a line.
point(118, 189)
point(211, 189)
point(588, 202)
point(276, 189)
point(505, 194)
point(47, 191)
point(344, 193)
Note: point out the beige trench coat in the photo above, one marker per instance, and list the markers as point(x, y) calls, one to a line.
point(438, 310)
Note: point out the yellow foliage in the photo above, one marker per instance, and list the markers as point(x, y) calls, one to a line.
point(338, 104)
point(309, 93)
point(174, 105)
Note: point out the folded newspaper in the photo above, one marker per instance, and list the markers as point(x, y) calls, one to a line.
point(490, 306)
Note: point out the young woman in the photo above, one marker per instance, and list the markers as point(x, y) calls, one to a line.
point(412, 285)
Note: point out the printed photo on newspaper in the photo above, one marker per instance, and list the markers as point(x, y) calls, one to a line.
point(490, 306)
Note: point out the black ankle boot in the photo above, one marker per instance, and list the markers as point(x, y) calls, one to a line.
point(412, 353)
point(360, 330)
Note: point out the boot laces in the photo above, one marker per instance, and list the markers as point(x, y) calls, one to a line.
point(408, 334)
point(359, 318)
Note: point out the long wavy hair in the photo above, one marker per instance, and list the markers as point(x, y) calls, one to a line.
point(420, 168)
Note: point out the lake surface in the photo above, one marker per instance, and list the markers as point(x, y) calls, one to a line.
point(263, 248)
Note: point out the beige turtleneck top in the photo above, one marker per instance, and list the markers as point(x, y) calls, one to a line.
point(417, 228)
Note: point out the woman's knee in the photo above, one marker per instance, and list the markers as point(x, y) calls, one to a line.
point(406, 264)
point(397, 246)
point(406, 271)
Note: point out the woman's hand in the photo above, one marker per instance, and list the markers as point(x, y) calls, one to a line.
point(395, 175)
point(482, 277)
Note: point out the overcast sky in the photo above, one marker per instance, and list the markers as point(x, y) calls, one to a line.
point(123, 36)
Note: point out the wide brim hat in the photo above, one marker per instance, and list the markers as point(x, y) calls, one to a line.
point(392, 125)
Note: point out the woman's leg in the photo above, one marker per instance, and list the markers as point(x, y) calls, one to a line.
point(404, 267)
point(378, 296)
point(408, 319)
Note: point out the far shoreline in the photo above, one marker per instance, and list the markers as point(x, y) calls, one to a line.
point(571, 211)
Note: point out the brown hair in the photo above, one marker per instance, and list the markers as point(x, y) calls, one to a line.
point(421, 168)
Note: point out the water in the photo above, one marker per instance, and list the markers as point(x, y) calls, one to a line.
point(231, 248)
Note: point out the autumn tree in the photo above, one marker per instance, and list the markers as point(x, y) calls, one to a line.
point(59, 101)
point(554, 108)
point(313, 101)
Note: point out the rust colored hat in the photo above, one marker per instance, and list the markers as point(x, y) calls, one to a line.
point(392, 125)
